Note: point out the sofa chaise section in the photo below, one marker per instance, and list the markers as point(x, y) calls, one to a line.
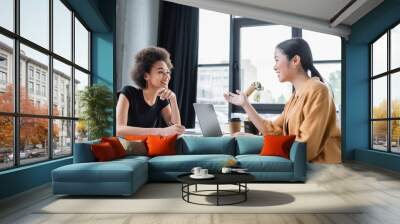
point(87, 177)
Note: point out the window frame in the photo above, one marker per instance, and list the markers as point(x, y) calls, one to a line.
point(388, 74)
point(236, 24)
point(16, 115)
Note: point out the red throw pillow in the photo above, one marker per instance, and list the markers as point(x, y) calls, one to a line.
point(116, 145)
point(161, 145)
point(103, 152)
point(277, 145)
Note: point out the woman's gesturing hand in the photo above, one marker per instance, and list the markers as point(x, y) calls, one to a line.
point(173, 130)
point(239, 99)
point(166, 94)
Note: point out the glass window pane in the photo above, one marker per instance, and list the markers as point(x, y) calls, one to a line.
point(395, 138)
point(81, 131)
point(33, 139)
point(6, 74)
point(62, 29)
point(395, 95)
point(81, 81)
point(35, 21)
point(379, 55)
point(34, 72)
point(395, 47)
point(379, 98)
point(379, 135)
point(81, 45)
point(7, 14)
point(323, 46)
point(257, 61)
point(62, 89)
point(6, 142)
point(212, 81)
point(332, 76)
point(213, 37)
point(62, 138)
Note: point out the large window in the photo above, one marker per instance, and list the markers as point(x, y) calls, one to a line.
point(257, 65)
point(40, 80)
point(385, 97)
point(213, 70)
point(236, 51)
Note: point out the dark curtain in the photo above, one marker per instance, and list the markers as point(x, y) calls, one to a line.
point(179, 33)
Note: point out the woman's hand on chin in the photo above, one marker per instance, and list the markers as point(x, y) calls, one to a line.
point(175, 129)
point(166, 94)
point(239, 99)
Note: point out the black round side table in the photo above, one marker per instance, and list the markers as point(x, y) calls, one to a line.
point(238, 179)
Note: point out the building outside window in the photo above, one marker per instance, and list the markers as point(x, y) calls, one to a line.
point(34, 79)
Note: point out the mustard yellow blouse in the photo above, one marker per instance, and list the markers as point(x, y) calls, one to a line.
point(310, 114)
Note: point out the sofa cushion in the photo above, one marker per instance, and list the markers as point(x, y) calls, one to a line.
point(249, 144)
point(161, 145)
point(103, 152)
point(196, 145)
point(134, 147)
point(111, 171)
point(185, 163)
point(257, 163)
point(116, 145)
point(277, 145)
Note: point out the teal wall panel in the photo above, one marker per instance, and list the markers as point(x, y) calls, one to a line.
point(24, 178)
point(356, 139)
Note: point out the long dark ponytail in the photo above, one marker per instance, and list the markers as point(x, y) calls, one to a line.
point(298, 46)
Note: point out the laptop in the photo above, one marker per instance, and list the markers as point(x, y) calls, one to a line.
point(207, 117)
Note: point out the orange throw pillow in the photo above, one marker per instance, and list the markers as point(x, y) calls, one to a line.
point(103, 152)
point(161, 145)
point(116, 145)
point(275, 145)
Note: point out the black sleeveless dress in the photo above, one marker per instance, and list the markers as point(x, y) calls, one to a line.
point(141, 114)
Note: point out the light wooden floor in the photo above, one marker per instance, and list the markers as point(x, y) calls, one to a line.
point(378, 188)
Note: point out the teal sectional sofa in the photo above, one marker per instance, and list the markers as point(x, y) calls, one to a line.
point(125, 176)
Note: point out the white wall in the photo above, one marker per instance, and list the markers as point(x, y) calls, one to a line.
point(137, 28)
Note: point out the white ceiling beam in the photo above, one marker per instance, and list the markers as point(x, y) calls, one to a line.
point(348, 12)
point(268, 15)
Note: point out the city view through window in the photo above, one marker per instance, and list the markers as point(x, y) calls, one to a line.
point(256, 47)
point(385, 96)
point(31, 111)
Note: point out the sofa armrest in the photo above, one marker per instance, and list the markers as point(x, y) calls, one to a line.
point(83, 152)
point(298, 155)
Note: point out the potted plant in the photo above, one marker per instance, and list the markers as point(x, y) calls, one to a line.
point(96, 103)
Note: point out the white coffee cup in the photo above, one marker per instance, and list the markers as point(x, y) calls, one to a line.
point(203, 172)
point(196, 170)
point(226, 170)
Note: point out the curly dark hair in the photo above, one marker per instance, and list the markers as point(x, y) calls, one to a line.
point(144, 61)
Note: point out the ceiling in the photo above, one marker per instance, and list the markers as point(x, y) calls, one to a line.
point(327, 16)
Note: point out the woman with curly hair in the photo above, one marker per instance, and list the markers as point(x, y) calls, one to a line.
point(139, 110)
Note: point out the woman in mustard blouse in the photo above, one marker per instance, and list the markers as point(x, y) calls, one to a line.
point(310, 113)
